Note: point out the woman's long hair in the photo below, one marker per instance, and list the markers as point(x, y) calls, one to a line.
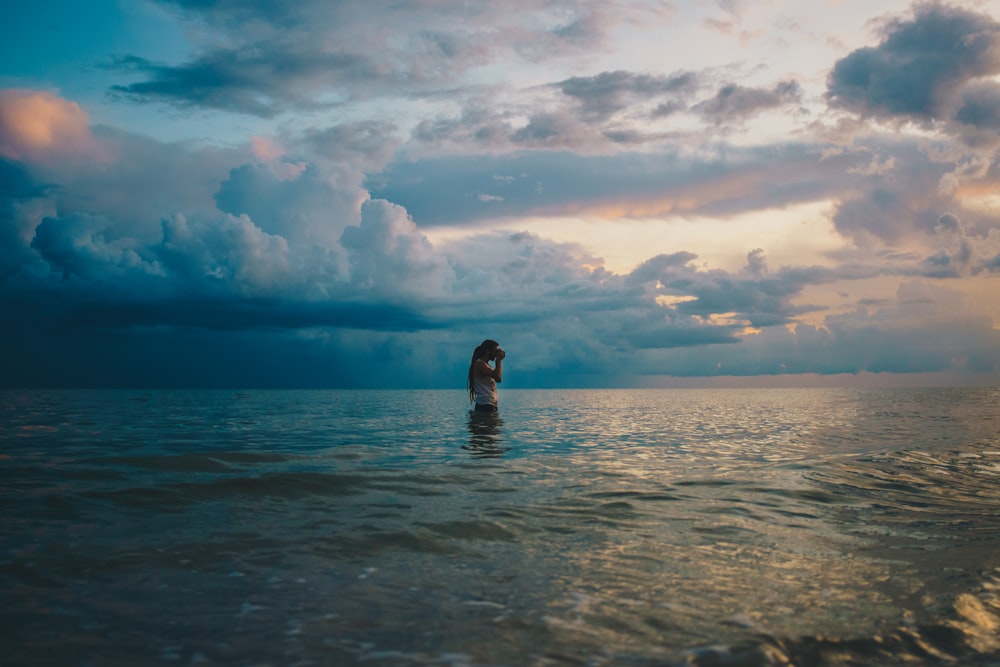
point(484, 347)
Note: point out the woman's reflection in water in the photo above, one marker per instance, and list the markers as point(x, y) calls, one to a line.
point(484, 435)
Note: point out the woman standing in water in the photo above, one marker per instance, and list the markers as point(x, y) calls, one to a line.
point(483, 378)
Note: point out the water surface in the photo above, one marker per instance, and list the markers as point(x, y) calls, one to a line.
point(618, 527)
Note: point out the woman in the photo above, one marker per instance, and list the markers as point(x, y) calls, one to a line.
point(483, 378)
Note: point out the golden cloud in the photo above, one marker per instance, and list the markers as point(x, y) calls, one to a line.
point(37, 126)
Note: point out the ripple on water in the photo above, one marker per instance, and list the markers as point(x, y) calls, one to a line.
point(626, 528)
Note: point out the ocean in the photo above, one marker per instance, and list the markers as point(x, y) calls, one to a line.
point(589, 527)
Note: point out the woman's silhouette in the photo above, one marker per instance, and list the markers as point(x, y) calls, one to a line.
point(483, 378)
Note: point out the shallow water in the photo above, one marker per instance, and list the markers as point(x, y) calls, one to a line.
point(619, 527)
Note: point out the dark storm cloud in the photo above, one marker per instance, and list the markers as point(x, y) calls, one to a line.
point(981, 106)
point(760, 298)
point(735, 103)
point(490, 131)
point(885, 212)
point(17, 187)
point(130, 181)
point(605, 94)
point(992, 264)
point(256, 80)
point(921, 66)
point(443, 191)
point(104, 297)
point(628, 137)
point(267, 58)
point(677, 340)
point(910, 199)
point(75, 246)
point(889, 344)
point(656, 267)
point(591, 114)
point(977, 120)
point(476, 126)
point(595, 113)
point(226, 272)
point(16, 183)
point(364, 145)
point(540, 128)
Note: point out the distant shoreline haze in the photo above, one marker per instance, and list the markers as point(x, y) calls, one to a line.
point(847, 381)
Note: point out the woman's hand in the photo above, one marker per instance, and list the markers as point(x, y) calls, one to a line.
point(500, 354)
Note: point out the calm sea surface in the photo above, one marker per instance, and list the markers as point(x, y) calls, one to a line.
point(635, 528)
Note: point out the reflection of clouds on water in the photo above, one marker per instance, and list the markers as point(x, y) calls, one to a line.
point(485, 438)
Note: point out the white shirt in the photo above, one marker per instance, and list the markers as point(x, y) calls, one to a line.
point(485, 388)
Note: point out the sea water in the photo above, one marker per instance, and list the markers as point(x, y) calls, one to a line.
point(618, 527)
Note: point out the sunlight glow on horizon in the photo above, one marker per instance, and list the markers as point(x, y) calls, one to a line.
point(792, 236)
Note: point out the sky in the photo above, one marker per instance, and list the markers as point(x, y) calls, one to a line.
point(623, 193)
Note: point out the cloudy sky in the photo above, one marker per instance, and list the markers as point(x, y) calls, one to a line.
point(317, 193)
